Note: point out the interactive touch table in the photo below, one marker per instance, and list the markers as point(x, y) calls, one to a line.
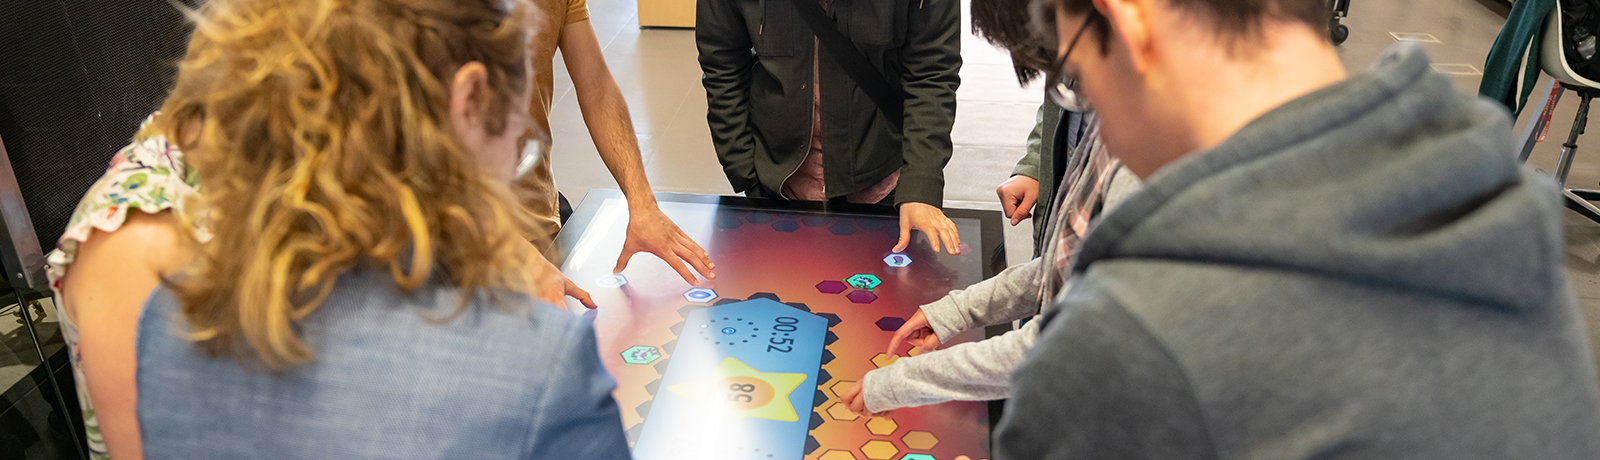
point(751, 365)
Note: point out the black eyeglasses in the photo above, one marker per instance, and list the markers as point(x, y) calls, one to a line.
point(1062, 88)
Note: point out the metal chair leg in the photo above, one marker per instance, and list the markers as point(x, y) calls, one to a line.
point(1577, 200)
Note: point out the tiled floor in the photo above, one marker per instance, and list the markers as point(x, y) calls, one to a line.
point(657, 71)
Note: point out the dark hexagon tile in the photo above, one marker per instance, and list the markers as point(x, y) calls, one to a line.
point(758, 218)
point(785, 226)
point(842, 229)
point(862, 296)
point(890, 323)
point(814, 221)
point(832, 286)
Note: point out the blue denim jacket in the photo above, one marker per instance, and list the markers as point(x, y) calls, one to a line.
point(386, 383)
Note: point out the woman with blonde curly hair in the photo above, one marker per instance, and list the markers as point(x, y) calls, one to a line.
point(348, 281)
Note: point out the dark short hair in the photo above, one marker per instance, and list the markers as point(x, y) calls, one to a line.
point(1236, 22)
point(1007, 24)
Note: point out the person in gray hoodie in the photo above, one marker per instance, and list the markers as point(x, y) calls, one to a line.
point(1318, 267)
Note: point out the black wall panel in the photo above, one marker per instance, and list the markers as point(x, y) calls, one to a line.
point(76, 78)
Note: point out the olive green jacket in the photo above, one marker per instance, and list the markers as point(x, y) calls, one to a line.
point(1039, 164)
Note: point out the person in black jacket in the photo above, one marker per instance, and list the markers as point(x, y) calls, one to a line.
point(789, 122)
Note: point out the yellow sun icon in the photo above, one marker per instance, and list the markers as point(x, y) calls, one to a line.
point(738, 390)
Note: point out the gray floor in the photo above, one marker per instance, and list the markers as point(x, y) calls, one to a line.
point(658, 74)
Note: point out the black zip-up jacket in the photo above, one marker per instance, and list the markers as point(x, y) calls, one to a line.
point(757, 57)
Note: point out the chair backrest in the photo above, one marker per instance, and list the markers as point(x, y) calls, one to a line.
point(1552, 59)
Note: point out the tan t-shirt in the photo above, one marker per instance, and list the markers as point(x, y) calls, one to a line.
point(536, 191)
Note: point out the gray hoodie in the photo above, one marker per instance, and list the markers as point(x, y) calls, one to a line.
point(1364, 272)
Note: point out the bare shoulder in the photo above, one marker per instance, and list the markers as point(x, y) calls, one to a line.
point(156, 242)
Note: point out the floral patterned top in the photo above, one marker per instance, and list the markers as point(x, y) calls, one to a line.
point(149, 175)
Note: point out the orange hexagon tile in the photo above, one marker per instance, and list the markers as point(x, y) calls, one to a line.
point(879, 450)
point(920, 440)
point(838, 386)
point(837, 455)
point(841, 412)
point(881, 426)
point(883, 360)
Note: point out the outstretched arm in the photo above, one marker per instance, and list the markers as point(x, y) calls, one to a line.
point(606, 115)
point(932, 57)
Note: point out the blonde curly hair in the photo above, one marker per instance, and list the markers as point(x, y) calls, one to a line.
point(321, 132)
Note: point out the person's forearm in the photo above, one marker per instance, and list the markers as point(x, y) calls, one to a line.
point(606, 114)
point(979, 371)
point(1008, 296)
point(604, 111)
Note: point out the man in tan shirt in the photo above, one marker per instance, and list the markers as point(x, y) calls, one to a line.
point(564, 25)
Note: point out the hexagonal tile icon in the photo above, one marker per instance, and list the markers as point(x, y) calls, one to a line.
point(612, 281)
point(863, 281)
point(837, 388)
point(785, 226)
point(700, 295)
point(840, 412)
point(879, 450)
point(861, 296)
point(881, 426)
point(917, 457)
point(831, 287)
point(920, 440)
point(641, 354)
point(842, 229)
point(758, 218)
point(883, 360)
point(890, 323)
point(897, 260)
point(837, 455)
